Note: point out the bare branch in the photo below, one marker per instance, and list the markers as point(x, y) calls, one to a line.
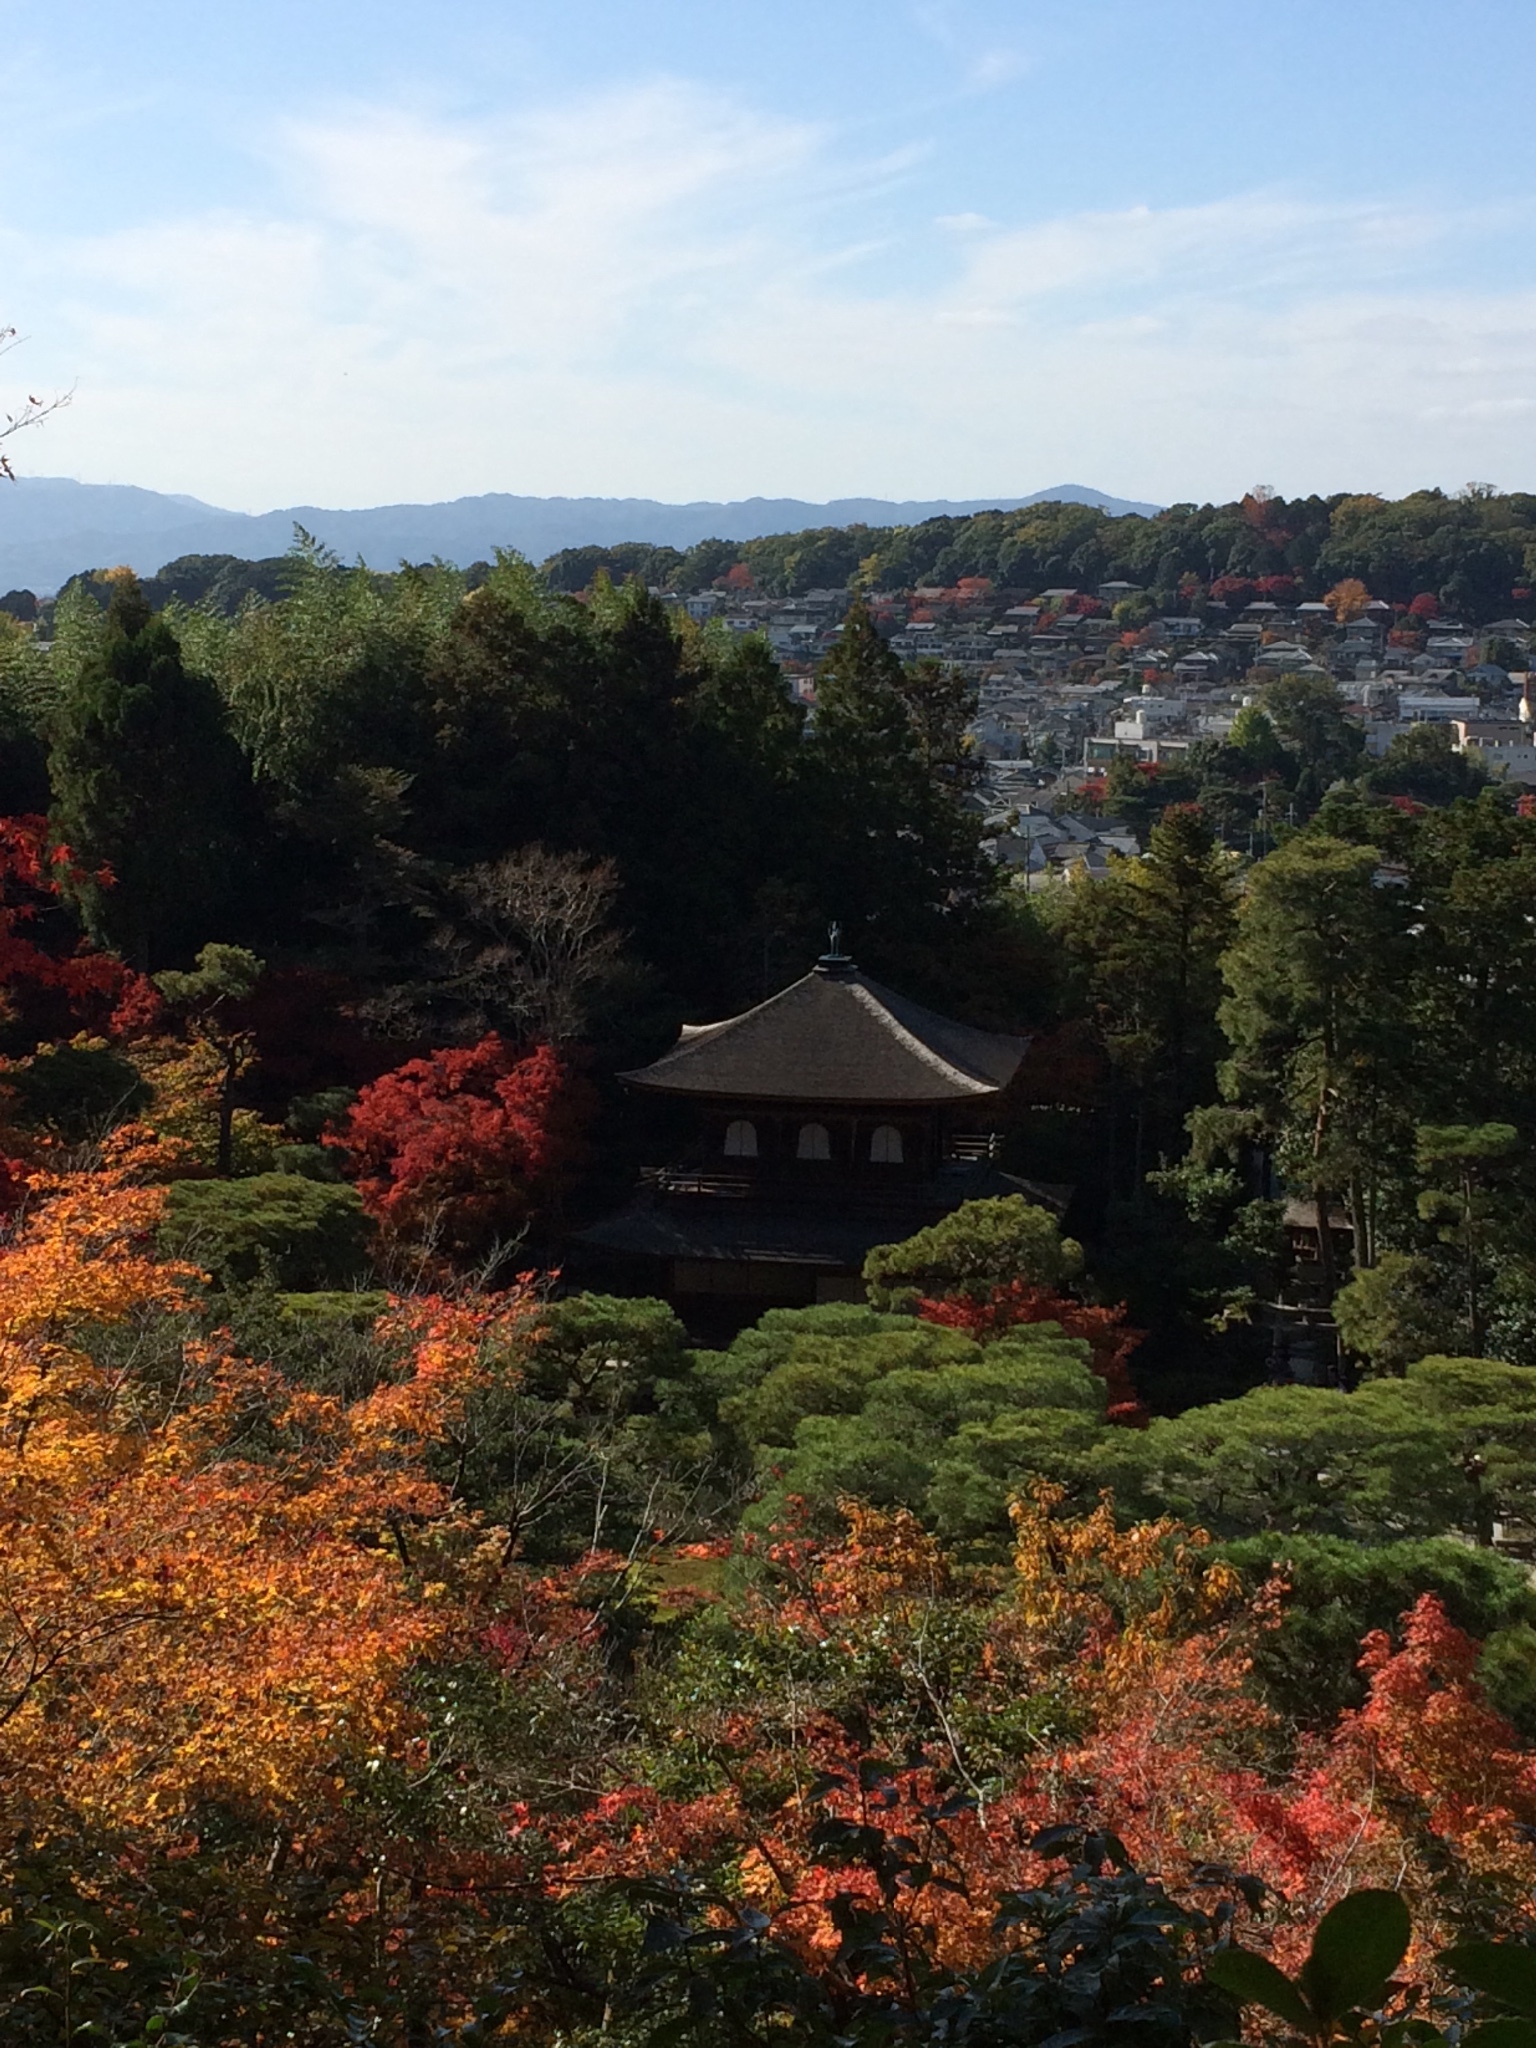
point(32, 411)
point(532, 943)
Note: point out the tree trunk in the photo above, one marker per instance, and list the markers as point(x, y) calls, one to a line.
point(1325, 1257)
point(1474, 1295)
point(226, 1152)
point(1359, 1218)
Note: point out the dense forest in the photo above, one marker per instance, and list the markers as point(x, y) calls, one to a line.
point(400, 1642)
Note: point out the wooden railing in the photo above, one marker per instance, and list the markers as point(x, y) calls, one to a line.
point(671, 1180)
point(973, 1146)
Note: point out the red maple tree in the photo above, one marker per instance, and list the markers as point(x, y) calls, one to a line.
point(459, 1148)
point(56, 969)
point(1103, 1330)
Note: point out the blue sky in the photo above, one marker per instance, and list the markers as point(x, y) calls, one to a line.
point(346, 254)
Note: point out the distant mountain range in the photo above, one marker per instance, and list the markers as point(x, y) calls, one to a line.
point(51, 527)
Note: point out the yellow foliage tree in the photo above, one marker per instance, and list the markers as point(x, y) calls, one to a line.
point(1348, 599)
point(188, 1083)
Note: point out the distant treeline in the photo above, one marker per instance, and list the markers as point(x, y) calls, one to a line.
point(216, 583)
point(1475, 552)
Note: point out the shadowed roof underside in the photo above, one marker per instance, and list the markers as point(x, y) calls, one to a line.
point(836, 1037)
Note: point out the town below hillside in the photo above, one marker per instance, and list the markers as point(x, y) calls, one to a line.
point(1096, 643)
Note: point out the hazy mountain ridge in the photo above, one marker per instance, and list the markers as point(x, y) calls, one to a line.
point(50, 527)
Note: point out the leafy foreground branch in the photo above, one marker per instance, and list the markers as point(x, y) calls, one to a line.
point(1102, 1954)
point(1099, 1954)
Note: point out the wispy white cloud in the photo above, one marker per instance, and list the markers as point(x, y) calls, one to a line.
point(664, 292)
point(981, 66)
point(993, 68)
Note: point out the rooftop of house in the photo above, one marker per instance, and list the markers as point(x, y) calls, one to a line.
point(835, 1036)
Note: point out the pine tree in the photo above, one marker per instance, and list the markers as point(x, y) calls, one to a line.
point(1315, 1019)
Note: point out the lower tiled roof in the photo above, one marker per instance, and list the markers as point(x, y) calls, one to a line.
point(834, 1233)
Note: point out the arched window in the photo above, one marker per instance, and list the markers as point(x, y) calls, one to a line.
point(814, 1142)
point(885, 1145)
point(741, 1140)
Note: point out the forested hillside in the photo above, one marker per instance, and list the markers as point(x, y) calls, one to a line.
point(402, 1642)
point(1473, 549)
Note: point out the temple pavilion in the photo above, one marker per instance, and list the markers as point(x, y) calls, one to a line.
point(831, 1118)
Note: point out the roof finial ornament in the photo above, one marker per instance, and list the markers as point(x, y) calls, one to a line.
point(835, 961)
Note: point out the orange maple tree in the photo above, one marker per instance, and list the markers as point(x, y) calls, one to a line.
point(222, 1589)
point(1130, 1649)
point(200, 1594)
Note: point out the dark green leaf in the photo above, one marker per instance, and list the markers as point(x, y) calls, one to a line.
point(1255, 1980)
point(1504, 1972)
point(1358, 1944)
point(1509, 2033)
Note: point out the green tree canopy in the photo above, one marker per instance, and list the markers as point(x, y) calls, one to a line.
point(981, 1246)
point(1423, 764)
point(1314, 1018)
point(905, 1413)
point(150, 793)
point(1145, 946)
point(275, 1227)
point(1451, 1446)
point(883, 759)
point(1308, 714)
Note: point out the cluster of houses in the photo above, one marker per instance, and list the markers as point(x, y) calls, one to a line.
point(1067, 681)
point(800, 630)
point(1038, 843)
point(1069, 684)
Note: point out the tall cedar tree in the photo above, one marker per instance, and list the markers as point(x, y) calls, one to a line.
point(1145, 945)
point(1314, 1018)
point(150, 786)
point(894, 845)
point(1473, 869)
